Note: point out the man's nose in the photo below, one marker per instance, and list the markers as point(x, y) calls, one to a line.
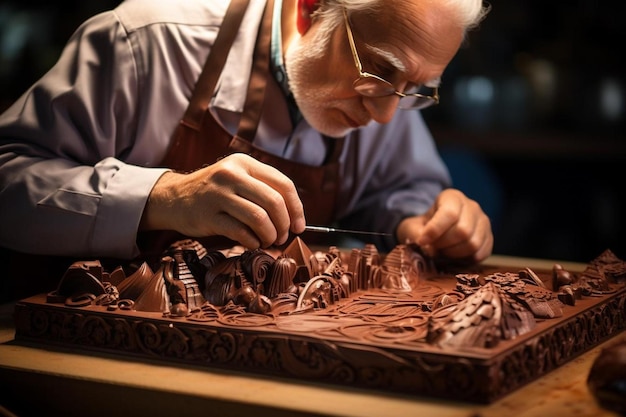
point(381, 109)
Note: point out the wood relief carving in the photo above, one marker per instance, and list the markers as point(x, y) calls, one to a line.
point(391, 322)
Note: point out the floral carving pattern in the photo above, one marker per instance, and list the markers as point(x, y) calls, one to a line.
point(422, 341)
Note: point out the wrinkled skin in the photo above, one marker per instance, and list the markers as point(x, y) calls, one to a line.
point(258, 206)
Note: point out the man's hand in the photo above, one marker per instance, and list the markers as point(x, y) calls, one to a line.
point(454, 227)
point(237, 197)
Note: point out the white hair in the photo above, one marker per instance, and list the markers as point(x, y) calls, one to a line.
point(469, 13)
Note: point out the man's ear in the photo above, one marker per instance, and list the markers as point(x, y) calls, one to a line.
point(305, 10)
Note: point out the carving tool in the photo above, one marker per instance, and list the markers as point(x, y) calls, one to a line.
point(425, 250)
point(323, 229)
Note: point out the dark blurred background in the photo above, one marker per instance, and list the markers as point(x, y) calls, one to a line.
point(531, 122)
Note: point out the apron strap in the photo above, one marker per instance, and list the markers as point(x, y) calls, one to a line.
point(259, 75)
point(205, 86)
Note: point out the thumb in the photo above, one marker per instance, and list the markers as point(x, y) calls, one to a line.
point(411, 230)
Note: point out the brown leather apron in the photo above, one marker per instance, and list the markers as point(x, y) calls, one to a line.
point(200, 139)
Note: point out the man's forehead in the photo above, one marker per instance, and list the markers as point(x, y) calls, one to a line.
point(418, 38)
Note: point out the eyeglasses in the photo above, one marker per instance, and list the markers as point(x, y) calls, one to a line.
point(370, 85)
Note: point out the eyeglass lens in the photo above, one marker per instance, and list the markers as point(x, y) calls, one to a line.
point(372, 86)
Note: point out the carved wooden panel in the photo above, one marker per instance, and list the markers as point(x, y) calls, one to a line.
point(395, 322)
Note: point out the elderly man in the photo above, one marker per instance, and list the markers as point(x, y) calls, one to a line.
point(245, 119)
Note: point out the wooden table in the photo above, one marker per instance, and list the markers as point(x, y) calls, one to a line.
point(38, 380)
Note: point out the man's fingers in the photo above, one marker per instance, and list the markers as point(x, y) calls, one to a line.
point(269, 205)
point(441, 220)
point(285, 187)
point(235, 230)
point(237, 197)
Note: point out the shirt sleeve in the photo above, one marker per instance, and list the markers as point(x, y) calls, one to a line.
point(396, 172)
point(64, 188)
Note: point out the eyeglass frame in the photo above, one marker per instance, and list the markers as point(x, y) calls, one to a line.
point(431, 100)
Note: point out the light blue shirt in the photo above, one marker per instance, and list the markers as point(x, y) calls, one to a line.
point(78, 150)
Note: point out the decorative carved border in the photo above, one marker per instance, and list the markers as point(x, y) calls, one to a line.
point(481, 377)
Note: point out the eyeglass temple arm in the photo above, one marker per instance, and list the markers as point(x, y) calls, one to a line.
point(357, 61)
